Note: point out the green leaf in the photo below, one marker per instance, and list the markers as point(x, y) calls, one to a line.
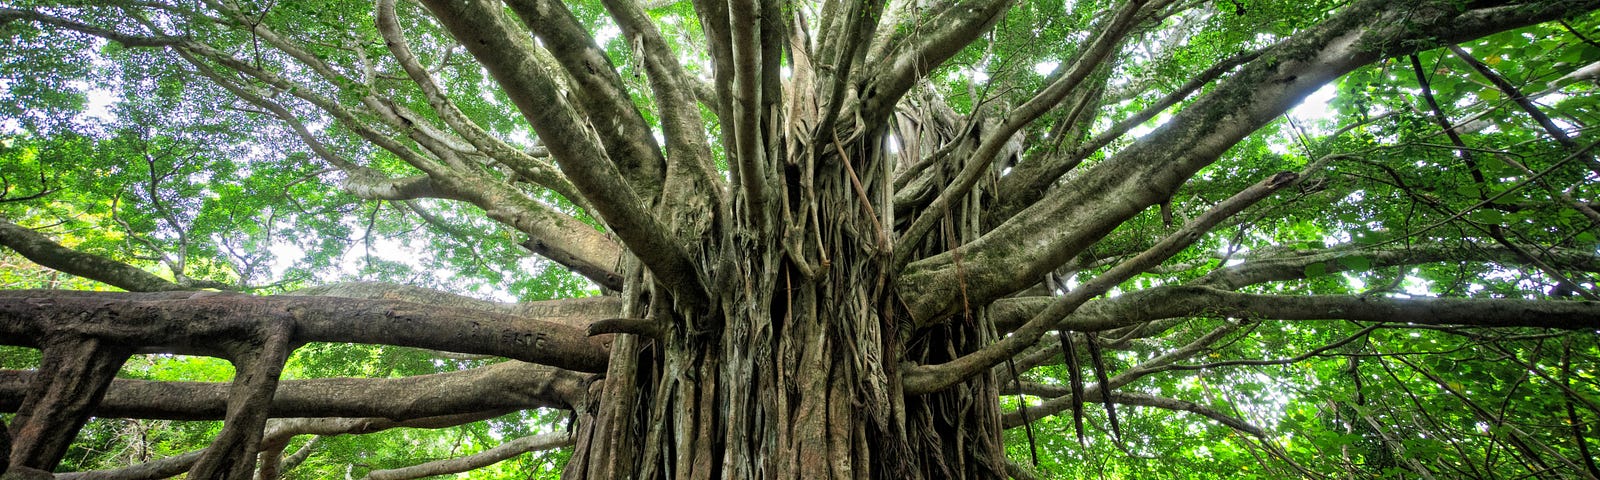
point(1488, 216)
point(1356, 263)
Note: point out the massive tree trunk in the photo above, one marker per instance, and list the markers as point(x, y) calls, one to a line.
point(827, 308)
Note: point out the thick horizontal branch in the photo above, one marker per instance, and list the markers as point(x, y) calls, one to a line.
point(206, 322)
point(1475, 312)
point(369, 184)
point(1294, 265)
point(638, 326)
point(574, 312)
point(502, 387)
point(1193, 301)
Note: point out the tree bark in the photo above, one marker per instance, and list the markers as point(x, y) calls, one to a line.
point(800, 315)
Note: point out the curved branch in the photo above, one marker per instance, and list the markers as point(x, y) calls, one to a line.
point(938, 40)
point(931, 378)
point(478, 460)
point(126, 40)
point(504, 52)
point(46, 252)
point(1013, 418)
point(598, 92)
point(1028, 181)
point(688, 149)
point(563, 239)
point(536, 170)
point(278, 431)
point(983, 158)
point(1150, 170)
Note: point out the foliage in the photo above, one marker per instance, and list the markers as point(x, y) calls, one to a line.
point(136, 155)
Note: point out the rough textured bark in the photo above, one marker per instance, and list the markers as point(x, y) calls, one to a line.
point(827, 307)
point(502, 386)
point(258, 363)
point(1147, 172)
point(203, 323)
point(74, 375)
point(41, 250)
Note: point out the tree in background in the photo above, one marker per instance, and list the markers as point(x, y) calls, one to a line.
point(795, 239)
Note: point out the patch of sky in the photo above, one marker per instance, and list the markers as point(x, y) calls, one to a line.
point(1045, 67)
point(606, 34)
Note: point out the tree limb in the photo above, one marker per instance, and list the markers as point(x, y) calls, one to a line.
point(598, 92)
point(279, 430)
point(1199, 301)
point(1150, 170)
point(1012, 419)
point(536, 170)
point(46, 252)
point(688, 149)
point(938, 40)
point(931, 378)
point(500, 387)
point(204, 321)
point(1028, 181)
point(483, 30)
point(478, 460)
point(1293, 265)
point(982, 159)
